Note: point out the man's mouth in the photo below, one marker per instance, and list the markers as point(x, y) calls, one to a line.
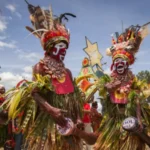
point(120, 68)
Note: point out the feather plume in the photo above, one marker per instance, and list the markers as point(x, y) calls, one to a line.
point(108, 52)
point(33, 32)
point(145, 30)
point(51, 23)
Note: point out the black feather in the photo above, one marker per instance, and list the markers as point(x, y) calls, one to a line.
point(64, 16)
point(31, 8)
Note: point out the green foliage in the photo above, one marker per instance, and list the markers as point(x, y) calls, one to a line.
point(111, 132)
point(144, 75)
point(101, 85)
point(37, 125)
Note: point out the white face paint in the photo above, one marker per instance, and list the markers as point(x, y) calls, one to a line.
point(59, 51)
point(120, 65)
point(58, 47)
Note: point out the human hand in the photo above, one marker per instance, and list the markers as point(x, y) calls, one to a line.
point(58, 116)
point(80, 124)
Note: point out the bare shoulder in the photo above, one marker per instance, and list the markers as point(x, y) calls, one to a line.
point(38, 69)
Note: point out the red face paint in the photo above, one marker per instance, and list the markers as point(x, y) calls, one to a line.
point(120, 65)
point(58, 52)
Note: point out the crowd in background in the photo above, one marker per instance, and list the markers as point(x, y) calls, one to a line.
point(91, 118)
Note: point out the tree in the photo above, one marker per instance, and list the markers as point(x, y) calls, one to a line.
point(144, 75)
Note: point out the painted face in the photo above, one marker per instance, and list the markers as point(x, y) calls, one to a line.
point(59, 51)
point(120, 65)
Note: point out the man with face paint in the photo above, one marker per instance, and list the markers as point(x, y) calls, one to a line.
point(123, 96)
point(53, 100)
point(3, 129)
point(55, 42)
point(2, 98)
point(120, 65)
point(59, 51)
point(6, 135)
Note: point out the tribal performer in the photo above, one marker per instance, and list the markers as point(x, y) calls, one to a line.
point(6, 134)
point(3, 129)
point(124, 96)
point(48, 110)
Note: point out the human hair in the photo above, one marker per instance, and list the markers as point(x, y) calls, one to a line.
point(94, 104)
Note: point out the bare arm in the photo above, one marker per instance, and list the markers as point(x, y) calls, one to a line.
point(144, 137)
point(89, 138)
point(56, 114)
point(86, 111)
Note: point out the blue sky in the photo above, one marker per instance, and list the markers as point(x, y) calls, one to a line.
point(96, 19)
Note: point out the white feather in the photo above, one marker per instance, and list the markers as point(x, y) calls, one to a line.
point(68, 31)
point(36, 31)
point(108, 52)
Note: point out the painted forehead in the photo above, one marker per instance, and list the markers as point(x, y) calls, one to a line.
point(61, 45)
point(119, 59)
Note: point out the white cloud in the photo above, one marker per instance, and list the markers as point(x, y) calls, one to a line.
point(13, 66)
point(18, 15)
point(7, 45)
point(3, 24)
point(11, 7)
point(27, 76)
point(3, 37)
point(28, 69)
point(9, 79)
point(29, 56)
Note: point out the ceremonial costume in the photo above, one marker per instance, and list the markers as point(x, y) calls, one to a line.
point(96, 117)
point(3, 129)
point(51, 102)
point(123, 95)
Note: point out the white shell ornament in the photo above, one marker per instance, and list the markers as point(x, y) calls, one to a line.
point(68, 129)
point(130, 124)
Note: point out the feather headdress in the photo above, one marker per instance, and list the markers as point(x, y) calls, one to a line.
point(48, 28)
point(126, 45)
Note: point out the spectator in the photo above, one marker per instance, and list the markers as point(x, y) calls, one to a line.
point(96, 117)
point(2, 91)
point(87, 120)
